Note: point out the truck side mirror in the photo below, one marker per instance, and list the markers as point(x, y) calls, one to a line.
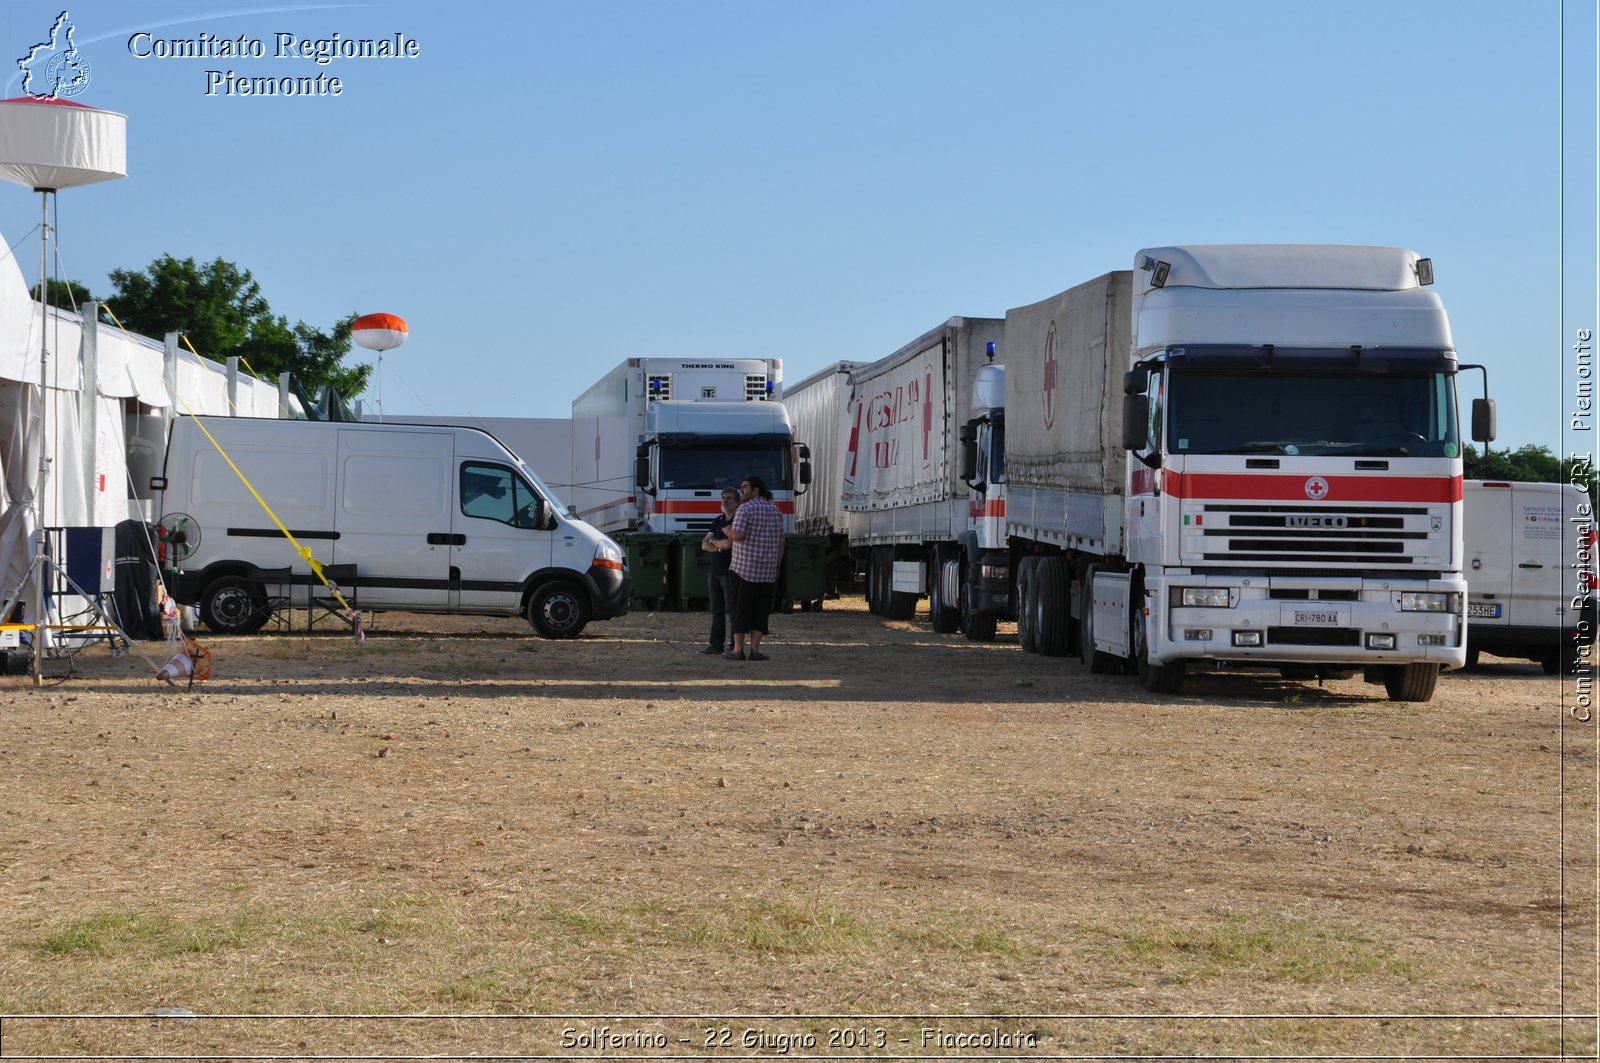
point(1135, 415)
point(1483, 420)
point(805, 471)
point(969, 457)
point(641, 471)
point(1136, 379)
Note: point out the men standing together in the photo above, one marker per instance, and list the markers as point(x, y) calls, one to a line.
point(756, 535)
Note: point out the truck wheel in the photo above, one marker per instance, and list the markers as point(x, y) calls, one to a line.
point(1156, 678)
point(877, 585)
point(233, 605)
point(1052, 593)
point(976, 626)
point(1097, 661)
point(1027, 591)
point(945, 620)
point(1410, 682)
point(558, 610)
point(900, 605)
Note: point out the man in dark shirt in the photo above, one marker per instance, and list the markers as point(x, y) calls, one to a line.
point(716, 543)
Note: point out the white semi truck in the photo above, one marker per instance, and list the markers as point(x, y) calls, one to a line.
point(1239, 456)
point(656, 439)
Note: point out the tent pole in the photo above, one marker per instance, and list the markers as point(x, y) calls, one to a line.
point(44, 439)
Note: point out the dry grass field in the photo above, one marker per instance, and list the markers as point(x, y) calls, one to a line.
point(882, 842)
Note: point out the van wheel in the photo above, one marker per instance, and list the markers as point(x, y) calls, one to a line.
point(232, 605)
point(558, 610)
point(1410, 682)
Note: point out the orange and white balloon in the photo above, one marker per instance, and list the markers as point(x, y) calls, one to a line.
point(379, 332)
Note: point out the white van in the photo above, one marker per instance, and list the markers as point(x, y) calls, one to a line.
point(421, 518)
point(1524, 542)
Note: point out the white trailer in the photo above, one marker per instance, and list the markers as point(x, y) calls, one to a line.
point(906, 505)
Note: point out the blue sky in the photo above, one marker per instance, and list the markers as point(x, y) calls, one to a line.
point(547, 189)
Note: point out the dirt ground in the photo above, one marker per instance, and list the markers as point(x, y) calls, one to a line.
point(881, 842)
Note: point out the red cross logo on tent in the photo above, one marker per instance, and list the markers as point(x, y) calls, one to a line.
point(1316, 489)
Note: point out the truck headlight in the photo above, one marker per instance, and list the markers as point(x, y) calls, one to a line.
point(1207, 597)
point(1427, 602)
point(608, 555)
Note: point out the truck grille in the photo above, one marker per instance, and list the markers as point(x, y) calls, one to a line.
point(1346, 537)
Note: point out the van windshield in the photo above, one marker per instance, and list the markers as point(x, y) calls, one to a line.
point(713, 468)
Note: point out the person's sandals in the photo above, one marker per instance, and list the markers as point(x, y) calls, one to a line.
point(756, 655)
point(732, 656)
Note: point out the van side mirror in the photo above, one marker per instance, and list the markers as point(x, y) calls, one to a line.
point(1483, 420)
point(1135, 415)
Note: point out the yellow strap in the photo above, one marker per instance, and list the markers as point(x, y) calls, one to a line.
point(316, 566)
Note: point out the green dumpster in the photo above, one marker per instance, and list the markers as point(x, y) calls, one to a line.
point(691, 567)
point(647, 563)
point(803, 579)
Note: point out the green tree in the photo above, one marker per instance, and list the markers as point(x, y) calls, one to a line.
point(220, 308)
point(1529, 463)
point(65, 294)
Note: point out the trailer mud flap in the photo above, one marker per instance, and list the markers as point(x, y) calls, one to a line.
point(1110, 604)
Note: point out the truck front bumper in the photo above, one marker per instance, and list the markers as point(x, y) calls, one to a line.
point(1354, 622)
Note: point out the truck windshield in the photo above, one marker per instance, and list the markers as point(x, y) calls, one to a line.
point(1254, 412)
point(713, 468)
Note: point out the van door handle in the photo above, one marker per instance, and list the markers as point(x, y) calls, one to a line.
point(446, 539)
point(1530, 564)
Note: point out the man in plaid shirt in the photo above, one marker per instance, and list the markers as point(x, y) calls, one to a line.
point(757, 537)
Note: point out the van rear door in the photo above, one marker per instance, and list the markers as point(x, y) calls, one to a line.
point(1488, 535)
point(394, 516)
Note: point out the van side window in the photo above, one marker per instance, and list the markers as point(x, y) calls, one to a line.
point(495, 492)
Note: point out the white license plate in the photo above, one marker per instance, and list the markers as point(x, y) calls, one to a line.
point(1484, 609)
point(1315, 618)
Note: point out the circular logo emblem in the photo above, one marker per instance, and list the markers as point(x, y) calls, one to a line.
point(1316, 489)
point(1048, 386)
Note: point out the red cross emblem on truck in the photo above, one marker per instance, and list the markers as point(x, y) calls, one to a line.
point(1316, 489)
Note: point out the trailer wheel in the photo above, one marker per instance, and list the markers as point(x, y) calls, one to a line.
point(1410, 682)
point(1052, 595)
point(233, 605)
point(558, 610)
point(1156, 678)
point(945, 619)
point(879, 580)
point(1027, 594)
point(1097, 661)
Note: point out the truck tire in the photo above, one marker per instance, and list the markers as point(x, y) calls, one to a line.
point(1052, 593)
point(1097, 661)
point(233, 605)
point(1410, 682)
point(1027, 591)
point(901, 605)
point(945, 619)
point(879, 580)
point(558, 610)
point(1156, 678)
point(976, 626)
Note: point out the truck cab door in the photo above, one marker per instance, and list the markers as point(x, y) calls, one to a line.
point(502, 535)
